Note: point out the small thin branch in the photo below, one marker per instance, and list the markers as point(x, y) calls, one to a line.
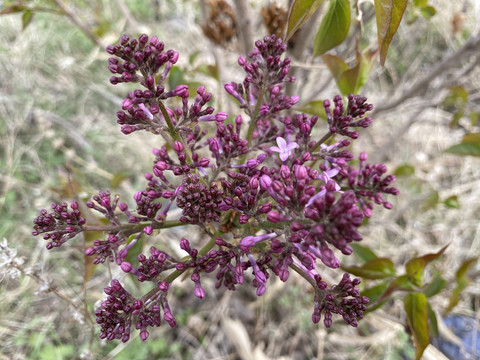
point(132, 228)
point(244, 25)
point(471, 47)
point(73, 18)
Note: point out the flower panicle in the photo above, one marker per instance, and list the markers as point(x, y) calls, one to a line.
point(271, 196)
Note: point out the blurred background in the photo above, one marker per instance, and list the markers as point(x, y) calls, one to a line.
point(60, 141)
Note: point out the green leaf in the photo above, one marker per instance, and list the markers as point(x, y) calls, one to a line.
point(314, 107)
point(334, 27)
point(118, 178)
point(416, 266)
point(388, 14)
point(463, 280)
point(405, 170)
point(350, 80)
point(363, 252)
point(400, 283)
point(12, 9)
point(432, 321)
point(464, 149)
point(431, 201)
point(472, 138)
point(452, 202)
point(379, 268)
point(428, 12)
point(300, 12)
point(27, 18)
point(435, 286)
point(474, 118)
point(135, 250)
point(336, 65)
point(421, 3)
point(375, 292)
point(458, 96)
point(415, 305)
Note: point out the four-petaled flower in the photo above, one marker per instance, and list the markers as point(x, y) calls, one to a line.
point(283, 148)
point(326, 176)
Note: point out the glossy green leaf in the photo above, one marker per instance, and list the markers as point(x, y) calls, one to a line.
point(299, 13)
point(405, 170)
point(415, 267)
point(334, 27)
point(464, 149)
point(27, 18)
point(415, 305)
point(432, 321)
point(379, 268)
point(388, 14)
point(462, 281)
point(435, 286)
point(452, 202)
point(363, 252)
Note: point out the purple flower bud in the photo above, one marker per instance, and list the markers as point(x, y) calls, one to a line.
point(138, 196)
point(122, 206)
point(265, 182)
point(163, 286)
point(243, 219)
point(221, 116)
point(254, 182)
point(178, 146)
point(144, 335)
point(127, 104)
point(185, 245)
point(181, 91)
point(148, 230)
point(301, 172)
point(126, 266)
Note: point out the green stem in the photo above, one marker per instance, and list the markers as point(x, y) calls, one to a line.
point(132, 228)
point(320, 142)
point(254, 118)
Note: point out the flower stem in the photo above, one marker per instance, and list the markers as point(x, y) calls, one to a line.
point(320, 142)
point(132, 228)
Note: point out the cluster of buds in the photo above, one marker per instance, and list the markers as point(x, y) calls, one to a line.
point(60, 225)
point(267, 200)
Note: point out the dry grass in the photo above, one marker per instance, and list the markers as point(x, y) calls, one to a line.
point(57, 128)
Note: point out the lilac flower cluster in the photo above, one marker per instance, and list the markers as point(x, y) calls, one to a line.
point(60, 225)
point(268, 193)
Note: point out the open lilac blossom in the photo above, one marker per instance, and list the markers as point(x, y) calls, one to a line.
point(283, 148)
point(327, 177)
